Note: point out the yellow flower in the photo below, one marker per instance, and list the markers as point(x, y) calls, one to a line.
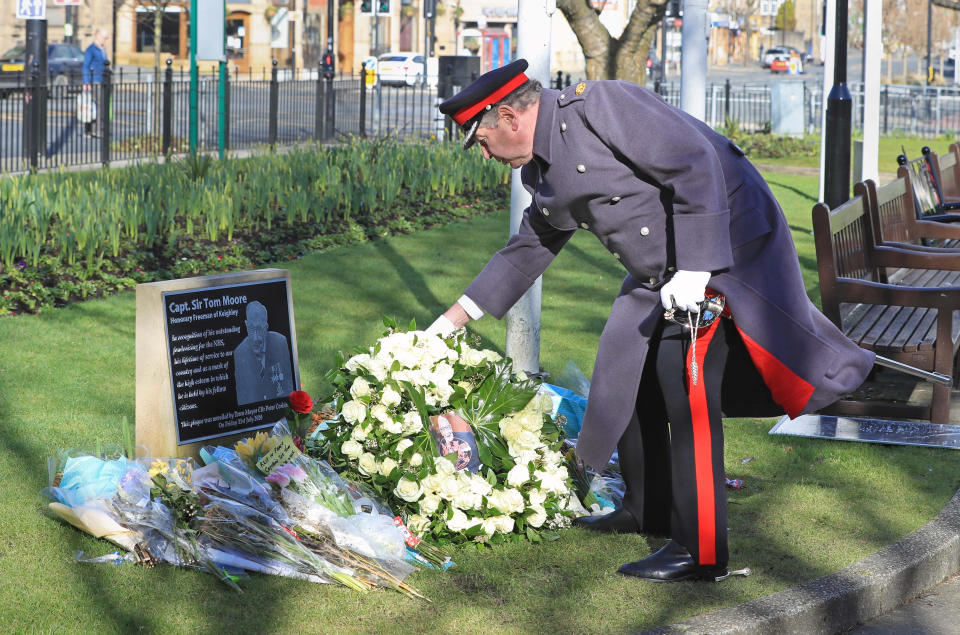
point(251, 450)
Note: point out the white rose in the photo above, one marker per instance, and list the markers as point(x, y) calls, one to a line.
point(442, 374)
point(479, 485)
point(531, 421)
point(504, 524)
point(537, 516)
point(378, 369)
point(412, 422)
point(554, 481)
point(359, 433)
point(520, 376)
point(416, 459)
point(458, 521)
point(444, 466)
point(449, 488)
point(408, 490)
point(417, 523)
point(465, 499)
point(379, 412)
point(367, 464)
point(513, 500)
point(403, 444)
point(429, 504)
point(489, 526)
point(472, 357)
point(357, 361)
point(492, 356)
point(510, 428)
point(359, 388)
point(354, 411)
point(390, 397)
point(518, 475)
point(393, 426)
point(431, 483)
point(351, 448)
point(536, 497)
point(387, 465)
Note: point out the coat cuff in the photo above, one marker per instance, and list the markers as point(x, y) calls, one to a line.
point(468, 305)
point(702, 241)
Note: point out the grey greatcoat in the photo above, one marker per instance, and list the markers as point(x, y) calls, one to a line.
point(662, 191)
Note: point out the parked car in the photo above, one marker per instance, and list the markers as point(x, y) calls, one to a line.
point(782, 52)
point(64, 64)
point(400, 68)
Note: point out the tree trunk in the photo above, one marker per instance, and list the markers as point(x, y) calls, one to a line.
point(345, 40)
point(614, 58)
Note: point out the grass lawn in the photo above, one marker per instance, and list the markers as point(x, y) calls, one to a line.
point(889, 148)
point(809, 507)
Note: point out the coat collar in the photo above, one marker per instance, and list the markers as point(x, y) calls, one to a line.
point(543, 133)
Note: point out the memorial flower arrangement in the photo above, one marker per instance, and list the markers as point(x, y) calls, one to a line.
point(393, 399)
point(264, 507)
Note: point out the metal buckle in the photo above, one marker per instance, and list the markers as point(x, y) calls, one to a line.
point(710, 309)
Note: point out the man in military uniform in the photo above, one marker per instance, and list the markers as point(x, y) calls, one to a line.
point(686, 215)
point(261, 362)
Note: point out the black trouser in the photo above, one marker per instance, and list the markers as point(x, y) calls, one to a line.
point(678, 473)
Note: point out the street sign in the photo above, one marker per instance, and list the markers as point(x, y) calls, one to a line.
point(31, 9)
point(68, 3)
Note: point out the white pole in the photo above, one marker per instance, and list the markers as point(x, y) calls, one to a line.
point(693, 59)
point(523, 320)
point(829, 19)
point(872, 53)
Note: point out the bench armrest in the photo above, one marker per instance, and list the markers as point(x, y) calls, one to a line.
point(887, 256)
point(868, 292)
point(923, 248)
point(940, 218)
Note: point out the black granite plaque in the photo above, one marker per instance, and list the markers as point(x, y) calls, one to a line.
point(232, 361)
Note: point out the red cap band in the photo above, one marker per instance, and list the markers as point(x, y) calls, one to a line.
point(466, 113)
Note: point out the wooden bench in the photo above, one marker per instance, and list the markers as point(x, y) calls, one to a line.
point(899, 303)
point(896, 221)
point(944, 171)
point(925, 179)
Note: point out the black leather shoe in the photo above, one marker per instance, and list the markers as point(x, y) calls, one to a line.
point(671, 564)
point(619, 521)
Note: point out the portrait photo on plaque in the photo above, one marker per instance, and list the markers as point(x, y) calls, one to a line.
point(232, 357)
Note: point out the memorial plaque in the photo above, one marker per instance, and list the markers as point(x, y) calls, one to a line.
point(216, 356)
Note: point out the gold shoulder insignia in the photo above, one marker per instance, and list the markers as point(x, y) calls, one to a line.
point(582, 86)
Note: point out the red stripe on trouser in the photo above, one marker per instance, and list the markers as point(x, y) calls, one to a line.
point(702, 449)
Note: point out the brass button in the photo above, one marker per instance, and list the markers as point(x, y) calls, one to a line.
point(581, 168)
point(615, 200)
point(563, 126)
point(653, 280)
point(644, 231)
point(616, 255)
point(584, 225)
point(546, 212)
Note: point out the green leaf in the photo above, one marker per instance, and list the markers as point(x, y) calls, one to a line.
point(532, 535)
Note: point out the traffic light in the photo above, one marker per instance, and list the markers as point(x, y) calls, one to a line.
point(429, 8)
point(383, 7)
point(673, 9)
point(366, 7)
point(327, 66)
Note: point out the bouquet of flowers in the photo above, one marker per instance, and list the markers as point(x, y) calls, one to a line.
point(413, 408)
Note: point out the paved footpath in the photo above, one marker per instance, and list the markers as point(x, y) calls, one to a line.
point(936, 612)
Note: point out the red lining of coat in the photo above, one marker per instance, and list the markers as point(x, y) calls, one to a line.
point(787, 388)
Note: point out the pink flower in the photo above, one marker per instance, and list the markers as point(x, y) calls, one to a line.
point(278, 478)
point(292, 472)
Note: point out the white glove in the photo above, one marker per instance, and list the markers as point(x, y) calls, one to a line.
point(441, 326)
point(685, 289)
